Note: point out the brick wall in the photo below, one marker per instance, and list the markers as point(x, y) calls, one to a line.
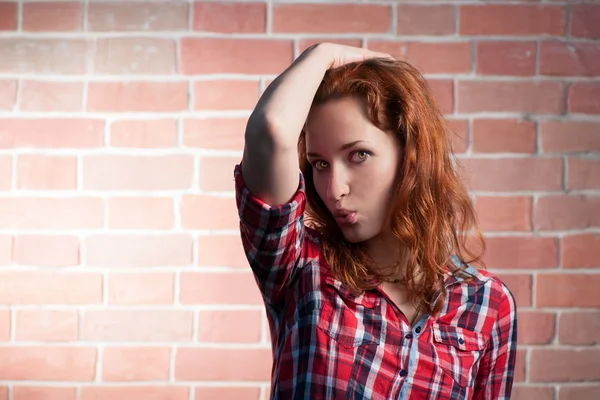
point(121, 272)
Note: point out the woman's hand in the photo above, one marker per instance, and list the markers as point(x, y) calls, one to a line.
point(338, 55)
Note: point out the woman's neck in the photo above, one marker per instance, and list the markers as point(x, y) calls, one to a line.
point(386, 252)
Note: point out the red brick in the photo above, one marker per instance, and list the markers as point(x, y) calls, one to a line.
point(67, 213)
point(129, 172)
point(138, 250)
point(51, 133)
point(520, 366)
point(429, 57)
point(148, 288)
point(137, 16)
point(5, 327)
point(331, 18)
point(225, 95)
point(6, 172)
point(522, 96)
point(208, 212)
point(214, 133)
point(135, 363)
point(135, 56)
point(511, 19)
point(52, 17)
point(584, 21)
point(303, 44)
point(505, 58)
point(8, 15)
point(207, 288)
point(532, 392)
point(228, 393)
point(8, 94)
point(230, 17)
point(425, 20)
point(51, 96)
point(6, 249)
point(548, 365)
point(584, 98)
point(504, 213)
point(46, 172)
point(562, 212)
point(137, 96)
point(503, 136)
point(43, 56)
point(578, 392)
point(583, 173)
point(507, 173)
point(141, 213)
point(45, 287)
point(569, 136)
point(48, 363)
point(137, 325)
point(536, 327)
point(44, 392)
point(229, 326)
point(210, 364)
point(459, 134)
point(241, 56)
point(211, 251)
point(580, 251)
point(215, 173)
point(521, 252)
point(47, 325)
point(46, 250)
point(443, 92)
point(154, 392)
point(520, 286)
point(568, 290)
point(569, 58)
point(579, 328)
point(146, 134)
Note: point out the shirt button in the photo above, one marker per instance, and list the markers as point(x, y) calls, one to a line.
point(403, 373)
point(418, 329)
point(461, 341)
point(409, 336)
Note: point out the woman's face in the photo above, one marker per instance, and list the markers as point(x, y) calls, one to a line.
point(354, 166)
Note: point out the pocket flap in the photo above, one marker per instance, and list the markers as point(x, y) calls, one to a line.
point(461, 338)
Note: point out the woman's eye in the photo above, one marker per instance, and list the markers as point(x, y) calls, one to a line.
point(359, 156)
point(319, 165)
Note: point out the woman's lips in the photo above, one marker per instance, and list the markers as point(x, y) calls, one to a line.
point(345, 217)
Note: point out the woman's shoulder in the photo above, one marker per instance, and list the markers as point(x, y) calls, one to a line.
point(485, 284)
point(498, 290)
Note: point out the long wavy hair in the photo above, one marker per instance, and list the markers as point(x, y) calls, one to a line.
point(431, 214)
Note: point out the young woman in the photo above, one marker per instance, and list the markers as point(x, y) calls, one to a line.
point(356, 226)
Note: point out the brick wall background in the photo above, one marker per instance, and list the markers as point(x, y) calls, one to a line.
point(121, 272)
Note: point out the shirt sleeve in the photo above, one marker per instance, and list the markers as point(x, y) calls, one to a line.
point(272, 237)
point(496, 370)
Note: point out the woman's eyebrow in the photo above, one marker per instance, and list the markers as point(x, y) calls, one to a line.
point(343, 147)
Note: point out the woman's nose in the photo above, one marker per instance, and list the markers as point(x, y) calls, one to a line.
point(338, 185)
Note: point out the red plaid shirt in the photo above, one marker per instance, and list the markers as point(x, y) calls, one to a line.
point(330, 344)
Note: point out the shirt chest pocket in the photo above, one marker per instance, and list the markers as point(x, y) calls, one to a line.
point(350, 320)
point(458, 351)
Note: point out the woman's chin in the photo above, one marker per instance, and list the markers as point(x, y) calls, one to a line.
point(355, 233)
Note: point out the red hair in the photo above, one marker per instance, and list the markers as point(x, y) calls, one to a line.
point(431, 214)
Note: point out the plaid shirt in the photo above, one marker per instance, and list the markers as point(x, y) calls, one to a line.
point(330, 344)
